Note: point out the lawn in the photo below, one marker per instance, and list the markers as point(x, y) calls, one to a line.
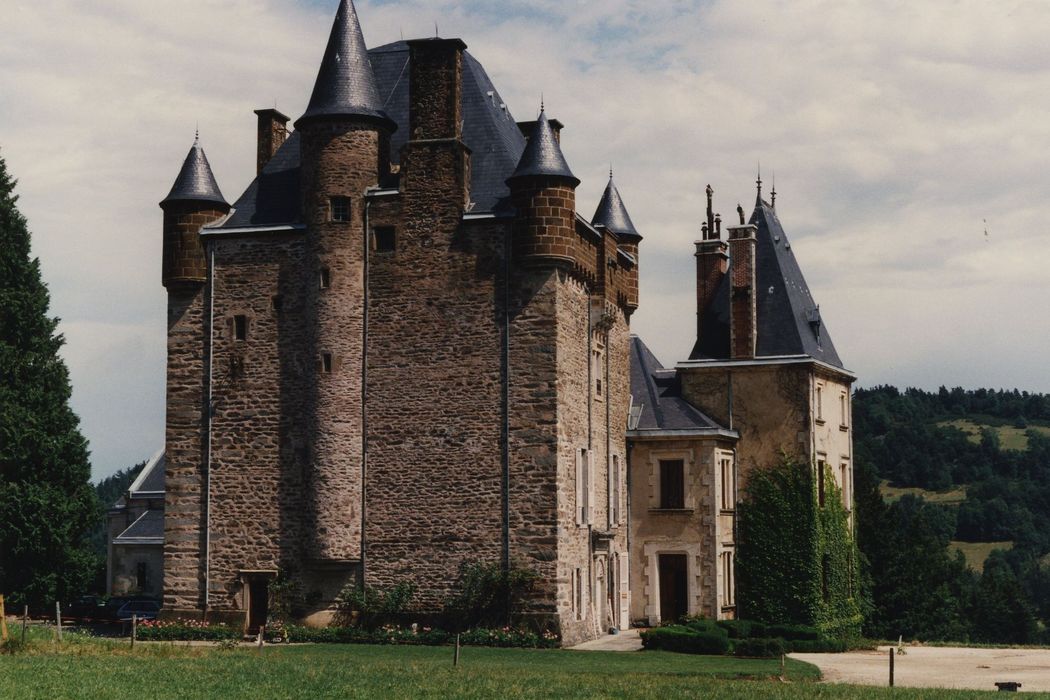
point(82, 669)
point(1009, 437)
point(977, 552)
point(951, 497)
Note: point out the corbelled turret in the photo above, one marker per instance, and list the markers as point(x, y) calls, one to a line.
point(194, 201)
point(612, 216)
point(543, 190)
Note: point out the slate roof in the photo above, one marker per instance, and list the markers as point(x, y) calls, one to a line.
point(612, 214)
point(149, 526)
point(658, 392)
point(788, 320)
point(489, 131)
point(345, 84)
point(195, 182)
point(542, 156)
point(151, 479)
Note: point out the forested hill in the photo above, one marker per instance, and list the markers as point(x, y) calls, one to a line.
point(953, 505)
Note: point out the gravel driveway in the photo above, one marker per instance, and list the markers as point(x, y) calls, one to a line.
point(938, 667)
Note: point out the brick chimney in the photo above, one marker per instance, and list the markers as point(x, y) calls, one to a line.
point(742, 322)
point(711, 263)
point(272, 132)
point(435, 155)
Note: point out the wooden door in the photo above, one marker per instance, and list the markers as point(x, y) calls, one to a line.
point(674, 587)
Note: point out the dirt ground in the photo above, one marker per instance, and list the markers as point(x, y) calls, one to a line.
point(939, 667)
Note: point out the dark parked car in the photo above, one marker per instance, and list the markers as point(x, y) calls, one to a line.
point(113, 606)
point(143, 609)
point(88, 607)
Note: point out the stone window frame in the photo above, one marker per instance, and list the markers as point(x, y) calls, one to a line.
point(239, 327)
point(584, 492)
point(820, 467)
point(651, 552)
point(616, 491)
point(721, 456)
point(324, 278)
point(844, 410)
point(846, 482)
point(727, 578)
point(689, 466)
point(818, 402)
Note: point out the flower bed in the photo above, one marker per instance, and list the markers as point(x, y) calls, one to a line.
point(425, 636)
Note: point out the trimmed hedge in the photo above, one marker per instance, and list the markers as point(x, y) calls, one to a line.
point(759, 648)
point(683, 639)
point(185, 631)
point(422, 636)
point(818, 646)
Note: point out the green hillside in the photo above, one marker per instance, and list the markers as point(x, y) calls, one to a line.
point(953, 513)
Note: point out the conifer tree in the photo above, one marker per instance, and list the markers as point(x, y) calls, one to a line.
point(47, 505)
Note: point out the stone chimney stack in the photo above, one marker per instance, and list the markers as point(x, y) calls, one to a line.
point(272, 133)
point(712, 262)
point(743, 316)
point(435, 157)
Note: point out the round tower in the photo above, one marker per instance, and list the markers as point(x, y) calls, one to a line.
point(543, 190)
point(344, 150)
point(194, 201)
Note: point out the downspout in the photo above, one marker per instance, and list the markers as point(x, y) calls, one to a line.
point(505, 399)
point(364, 390)
point(209, 414)
point(729, 395)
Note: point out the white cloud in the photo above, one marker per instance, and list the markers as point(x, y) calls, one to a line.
point(894, 128)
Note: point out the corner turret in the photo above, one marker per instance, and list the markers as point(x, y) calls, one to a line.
point(543, 190)
point(194, 201)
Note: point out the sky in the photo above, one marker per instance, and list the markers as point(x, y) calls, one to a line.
point(899, 133)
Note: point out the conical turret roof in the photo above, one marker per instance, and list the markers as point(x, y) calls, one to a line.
point(612, 214)
point(195, 182)
point(543, 156)
point(346, 85)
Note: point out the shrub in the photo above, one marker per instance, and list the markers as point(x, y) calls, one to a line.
point(818, 646)
point(487, 595)
point(685, 640)
point(737, 629)
point(759, 648)
point(792, 632)
point(422, 636)
point(701, 624)
point(185, 630)
point(373, 605)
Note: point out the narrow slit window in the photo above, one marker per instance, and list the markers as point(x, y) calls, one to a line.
point(326, 278)
point(385, 239)
point(326, 363)
point(240, 327)
point(340, 208)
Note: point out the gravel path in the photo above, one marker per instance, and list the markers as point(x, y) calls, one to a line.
point(938, 667)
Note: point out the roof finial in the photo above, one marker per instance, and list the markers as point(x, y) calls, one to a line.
point(759, 181)
point(435, 29)
point(197, 134)
point(773, 192)
point(610, 171)
point(541, 102)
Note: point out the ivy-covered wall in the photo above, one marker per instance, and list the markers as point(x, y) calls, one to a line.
point(796, 560)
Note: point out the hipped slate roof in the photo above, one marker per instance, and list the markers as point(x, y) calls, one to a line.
point(195, 182)
point(657, 391)
point(345, 84)
point(789, 321)
point(543, 156)
point(489, 131)
point(612, 214)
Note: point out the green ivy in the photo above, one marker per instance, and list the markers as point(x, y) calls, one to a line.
point(796, 560)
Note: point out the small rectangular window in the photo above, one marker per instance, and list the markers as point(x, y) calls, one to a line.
point(672, 484)
point(584, 487)
point(340, 208)
point(384, 239)
point(326, 278)
point(615, 497)
point(326, 363)
point(240, 327)
point(844, 409)
point(728, 483)
point(277, 302)
point(845, 485)
point(728, 597)
point(821, 471)
point(577, 599)
point(820, 403)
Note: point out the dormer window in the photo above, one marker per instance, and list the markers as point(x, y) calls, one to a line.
point(340, 209)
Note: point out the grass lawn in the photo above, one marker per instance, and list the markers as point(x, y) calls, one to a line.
point(977, 552)
point(93, 669)
point(951, 497)
point(1010, 438)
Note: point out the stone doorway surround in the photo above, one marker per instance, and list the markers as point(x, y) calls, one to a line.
point(651, 576)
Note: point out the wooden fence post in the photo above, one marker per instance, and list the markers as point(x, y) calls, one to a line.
point(58, 619)
point(3, 621)
point(262, 635)
point(892, 655)
point(455, 657)
point(25, 621)
point(134, 629)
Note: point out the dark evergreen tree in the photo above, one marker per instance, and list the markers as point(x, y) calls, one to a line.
point(47, 505)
